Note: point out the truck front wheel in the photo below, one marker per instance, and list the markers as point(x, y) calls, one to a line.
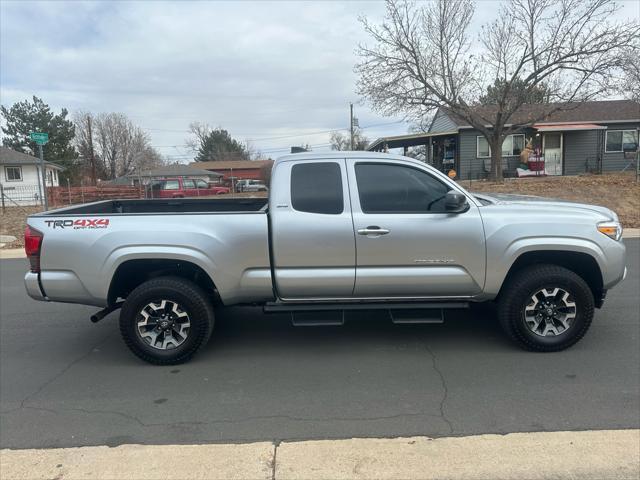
point(546, 308)
point(166, 320)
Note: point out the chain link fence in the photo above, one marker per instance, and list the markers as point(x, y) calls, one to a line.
point(20, 195)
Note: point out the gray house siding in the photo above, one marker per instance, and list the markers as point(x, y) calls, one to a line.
point(615, 162)
point(470, 165)
point(580, 147)
point(442, 123)
point(474, 167)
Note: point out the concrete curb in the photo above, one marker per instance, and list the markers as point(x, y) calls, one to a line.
point(631, 233)
point(584, 455)
point(7, 253)
point(141, 462)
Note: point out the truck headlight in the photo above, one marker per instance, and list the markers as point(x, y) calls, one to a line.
point(611, 229)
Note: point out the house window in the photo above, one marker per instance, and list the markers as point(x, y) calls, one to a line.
point(621, 140)
point(512, 146)
point(13, 174)
point(482, 148)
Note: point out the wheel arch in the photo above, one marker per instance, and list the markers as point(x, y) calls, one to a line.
point(133, 272)
point(581, 263)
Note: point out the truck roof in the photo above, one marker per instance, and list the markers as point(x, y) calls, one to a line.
point(341, 154)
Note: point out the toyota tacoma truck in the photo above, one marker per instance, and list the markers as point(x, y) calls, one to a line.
point(339, 231)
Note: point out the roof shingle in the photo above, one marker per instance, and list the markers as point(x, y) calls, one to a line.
point(11, 157)
point(593, 112)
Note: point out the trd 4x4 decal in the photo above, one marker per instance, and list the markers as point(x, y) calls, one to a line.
point(79, 224)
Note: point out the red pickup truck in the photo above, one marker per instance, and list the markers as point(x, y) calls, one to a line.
point(184, 187)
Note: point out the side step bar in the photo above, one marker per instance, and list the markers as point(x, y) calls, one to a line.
point(332, 314)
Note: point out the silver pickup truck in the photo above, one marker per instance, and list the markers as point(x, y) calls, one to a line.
point(339, 231)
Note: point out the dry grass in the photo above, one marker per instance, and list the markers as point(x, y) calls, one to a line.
point(13, 221)
point(619, 192)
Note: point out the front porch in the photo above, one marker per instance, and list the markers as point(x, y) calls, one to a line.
point(439, 150)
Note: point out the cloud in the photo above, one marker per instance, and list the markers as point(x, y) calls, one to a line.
point(259, 69)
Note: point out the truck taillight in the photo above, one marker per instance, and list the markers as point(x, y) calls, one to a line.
point(32, 246)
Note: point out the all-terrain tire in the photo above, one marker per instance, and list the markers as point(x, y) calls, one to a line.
point(517, 294)
point(189, 297)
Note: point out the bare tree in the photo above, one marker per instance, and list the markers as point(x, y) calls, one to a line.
point(119, 147)
point(423, 58)
point(631, 80)
point(340, 141)
point(199, 133)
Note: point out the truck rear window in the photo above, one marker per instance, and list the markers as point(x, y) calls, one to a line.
point(317, 188)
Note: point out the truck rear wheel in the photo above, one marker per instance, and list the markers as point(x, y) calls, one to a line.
point(166, 320)
point(546, 308)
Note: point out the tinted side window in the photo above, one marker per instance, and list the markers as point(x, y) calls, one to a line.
point(188, 184)
point(387, 188)
point(317, 188)
point(171, 185)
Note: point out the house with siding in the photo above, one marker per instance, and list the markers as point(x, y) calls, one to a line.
point(593, 136)
point(21, 177)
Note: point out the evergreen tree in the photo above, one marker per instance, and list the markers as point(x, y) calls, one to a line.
point(217, 144)
point(36, 116)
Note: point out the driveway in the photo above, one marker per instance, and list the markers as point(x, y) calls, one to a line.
point(67, 382)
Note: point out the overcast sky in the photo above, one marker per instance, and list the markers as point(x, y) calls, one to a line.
point(262, 70)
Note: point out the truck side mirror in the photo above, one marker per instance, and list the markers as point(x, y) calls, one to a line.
point(455, 202)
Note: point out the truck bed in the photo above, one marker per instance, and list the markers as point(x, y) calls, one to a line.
point(165, 205)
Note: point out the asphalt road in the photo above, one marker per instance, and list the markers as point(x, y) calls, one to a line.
point(67, 382)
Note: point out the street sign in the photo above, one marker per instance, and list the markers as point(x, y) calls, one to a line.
point(39, 137)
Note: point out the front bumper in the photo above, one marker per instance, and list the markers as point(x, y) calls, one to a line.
point(32, 284)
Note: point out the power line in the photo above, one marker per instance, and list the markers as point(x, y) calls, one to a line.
point(269, 150)
point(289, 136)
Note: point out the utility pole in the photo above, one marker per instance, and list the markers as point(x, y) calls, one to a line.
point(40, 138)
point(92, 158)
point(351, 123)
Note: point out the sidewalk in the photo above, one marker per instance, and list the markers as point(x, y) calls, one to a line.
point(606, 454)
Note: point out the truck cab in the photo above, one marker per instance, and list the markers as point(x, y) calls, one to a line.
point(377, 229)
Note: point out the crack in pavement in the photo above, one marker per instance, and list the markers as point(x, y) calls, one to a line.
point(130, 417)
point(55, 377)
point(445, 390)
point(225, 421)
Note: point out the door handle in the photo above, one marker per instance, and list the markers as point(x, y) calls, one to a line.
point(373, 231)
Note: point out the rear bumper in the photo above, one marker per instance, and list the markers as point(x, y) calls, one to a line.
point(32, 284)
